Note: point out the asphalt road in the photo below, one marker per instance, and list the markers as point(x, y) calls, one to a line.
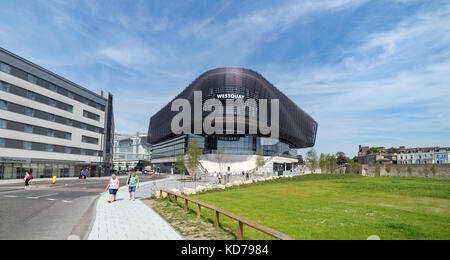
point(50, 211)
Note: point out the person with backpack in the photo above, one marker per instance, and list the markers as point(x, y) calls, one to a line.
point(27, 179)
point(132, 182)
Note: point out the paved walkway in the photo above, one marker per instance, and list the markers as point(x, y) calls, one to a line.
point(126, 219)
point(129, 220)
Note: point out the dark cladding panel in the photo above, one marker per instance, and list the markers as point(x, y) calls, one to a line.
point(296, 127)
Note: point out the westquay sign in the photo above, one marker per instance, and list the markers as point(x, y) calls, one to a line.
point(213, 123)
point(230, 96)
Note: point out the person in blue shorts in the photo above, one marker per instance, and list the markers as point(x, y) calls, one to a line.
point(133, 183)
point(113, 187)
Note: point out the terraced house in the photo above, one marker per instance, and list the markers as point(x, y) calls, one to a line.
point(50, 125)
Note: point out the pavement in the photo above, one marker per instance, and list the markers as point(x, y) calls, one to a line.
point(129, 220)
point(133, 220)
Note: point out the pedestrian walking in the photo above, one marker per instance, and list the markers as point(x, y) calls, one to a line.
point(27, 179)
point(113, 187)
point(247, 176)
point(219, 176)
point(133, 183)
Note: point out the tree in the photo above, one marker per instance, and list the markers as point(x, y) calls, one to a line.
point(300, 159)
point(341, 158)
point(392, 150)
point(323, 163)
point(260, 158)
point(373, 150)
point(180, 163)
point(311, 156)
point(194, 151)
point(331, 162)
point(355, 167)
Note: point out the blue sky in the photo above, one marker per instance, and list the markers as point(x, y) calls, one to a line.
point(370, 72)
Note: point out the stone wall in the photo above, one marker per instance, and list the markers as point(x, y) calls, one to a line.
point(415, 170)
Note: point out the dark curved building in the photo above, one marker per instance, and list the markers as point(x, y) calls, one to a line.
point(296, 128)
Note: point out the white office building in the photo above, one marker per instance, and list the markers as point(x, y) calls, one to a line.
point(131, 151)
point(50, 125)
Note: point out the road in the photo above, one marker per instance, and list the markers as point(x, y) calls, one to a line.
point(50, 211)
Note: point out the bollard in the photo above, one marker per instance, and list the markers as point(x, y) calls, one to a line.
point(54, 179)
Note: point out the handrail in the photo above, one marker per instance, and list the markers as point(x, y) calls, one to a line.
point(240, 221)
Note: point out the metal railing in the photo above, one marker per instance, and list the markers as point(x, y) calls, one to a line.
point(217, 211)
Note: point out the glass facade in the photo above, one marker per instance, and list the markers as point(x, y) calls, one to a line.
point(240, 145)
point(44, 170)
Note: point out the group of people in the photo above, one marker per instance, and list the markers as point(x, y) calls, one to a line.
point(219, 177)
point(114, 185)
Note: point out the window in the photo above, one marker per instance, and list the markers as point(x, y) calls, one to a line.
point(70, 94)
point(68, 150)
point(68, 136)
point(2, 142)
point(52, 102)
point(85, 101)
point(51, 117)
point(83, 139)
point(32, 79)
point(3, 105)
point(85, 113)
point(31, 95)
point(69, 122)
point(53, 88)
point(2, 123)
point(28, 128)
point(49, 148)
point(97, 130)
point(27, 145)
point(29, 111)
point(4, 86)
point(84, 126)
point(70, 109)
point(98, 106)
point(50, 133)
point(5, 68)
point(83, 152)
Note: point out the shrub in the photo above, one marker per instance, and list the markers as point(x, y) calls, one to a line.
point(434, 169)
point(410, 169)
point(388, 169)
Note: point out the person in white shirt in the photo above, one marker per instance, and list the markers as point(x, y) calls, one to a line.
point(113, 186)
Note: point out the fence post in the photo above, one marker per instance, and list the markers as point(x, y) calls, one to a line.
point(185, 205)
point(240, 228)
point(168, 197)
point(216, 218)
point(198, 210)
point(175, 200)
point(160, 194)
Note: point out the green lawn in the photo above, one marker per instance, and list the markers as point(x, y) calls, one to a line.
point(340, 207)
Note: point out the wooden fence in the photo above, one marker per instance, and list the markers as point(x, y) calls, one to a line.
point(217, 211)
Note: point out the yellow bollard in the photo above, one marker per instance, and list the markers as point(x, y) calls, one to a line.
point(54, 179)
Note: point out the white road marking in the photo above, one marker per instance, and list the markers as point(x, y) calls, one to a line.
point(51, 199)
point(65, 201)
point(38, 197)
point(10, 196)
